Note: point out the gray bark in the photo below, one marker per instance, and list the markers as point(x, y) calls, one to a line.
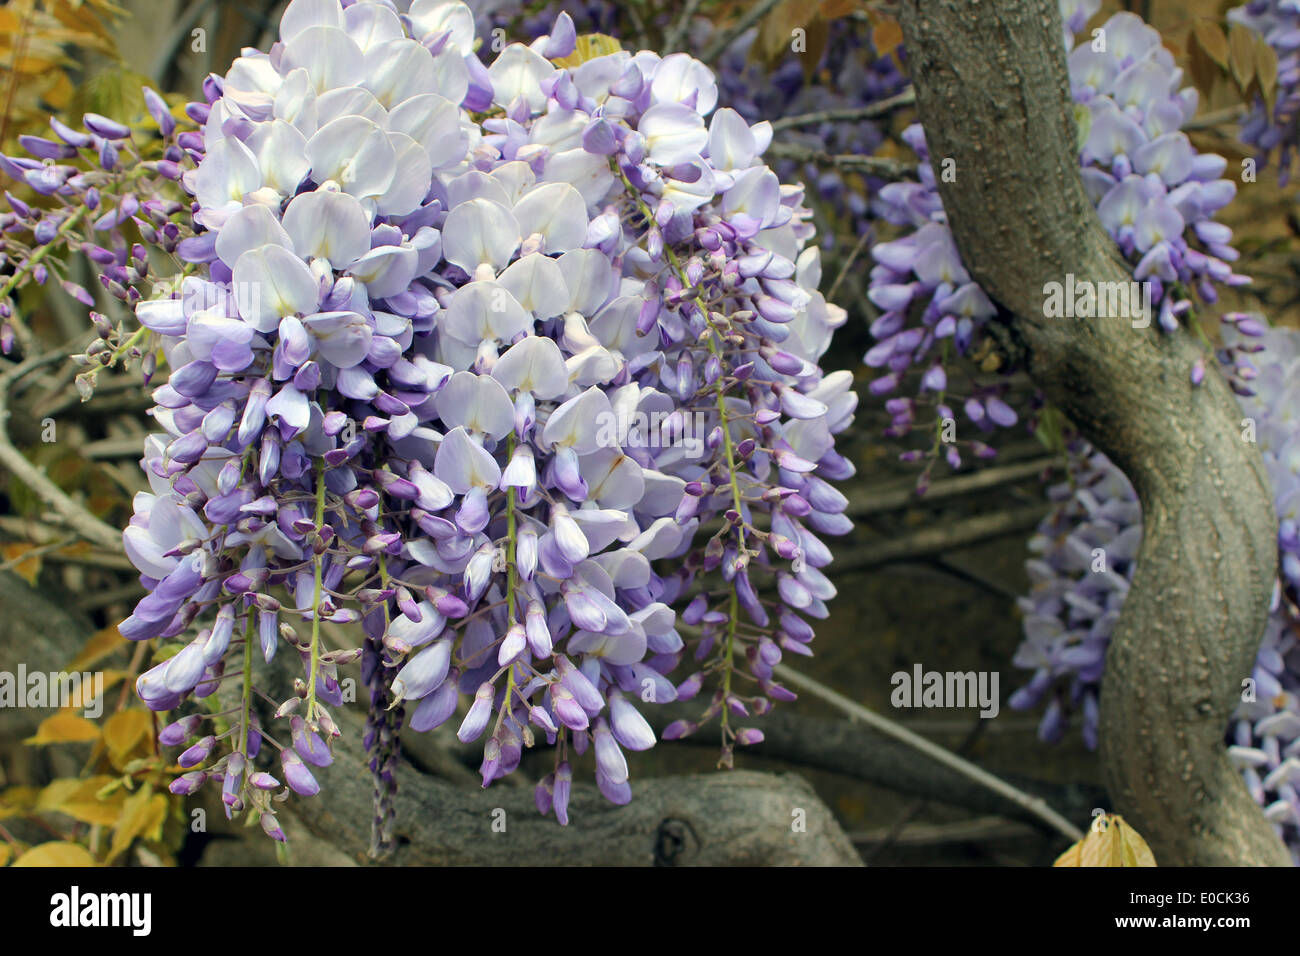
point(992, 91)
point(735, 818)
point(730, 819)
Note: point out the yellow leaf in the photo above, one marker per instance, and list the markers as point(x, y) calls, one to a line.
point(1241, 55)
point(1209, 38)
point(57, 853)
point(101, 644)
point(5, 851)
point(16, 801)
point(831, 9)
point(1109, 842)
point(81, 800)
point(64, 728)
point(125, 731)
point(143, 814)
point(28, 568)
point(776, 32)
point(1266, 71)
point(886, 37)
point(590, 46)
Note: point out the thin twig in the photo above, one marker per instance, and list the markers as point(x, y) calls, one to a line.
point(38, 551)
point(1231, 114)
point(855, 711)
point(878, 165)
point(939, 539)
point(751, 16)
point(74, 515)
point(847, 114)
point(848, 263)
point(673, 38)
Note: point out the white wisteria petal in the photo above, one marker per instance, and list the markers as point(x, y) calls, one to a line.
point(349, 101)
point(397, 70)
point(328, 225)
point(517, 73)
point(450, 75)
point(590, 278)
point(411, 175)
point(329, 56)
point(438, 16)
point(484, 312)
point(534, 365)
point(680, 78)
point(229, 172)
point(556, 211)
point(613, 479)
point(577, 423)
point(464, 464)
point(476, 184)
point(303, 14)
point(479, 403)
point(250, 228)
point(480, 232)
point(271, 282)
point(281, 155)
point(585, 172)
point(371, 24)
point(434, 122)
point(342, 338)
point(673, 133)
point(731, 141)
point(386, 270)
point(537, 283)
point(355, 153)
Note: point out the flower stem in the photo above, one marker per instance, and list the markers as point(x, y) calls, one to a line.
point(26, 268)
point(315, 607)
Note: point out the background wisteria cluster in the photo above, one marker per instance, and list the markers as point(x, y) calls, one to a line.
point(1084, 564)
point(1155, 194)
point(466, 348)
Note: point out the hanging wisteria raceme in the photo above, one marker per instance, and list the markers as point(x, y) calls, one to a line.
point(855, 77)
point(97, 190)
point(1274, 131)
point(849, 73)
point(1155, 195)
point(1084, 564)
point(464, 380)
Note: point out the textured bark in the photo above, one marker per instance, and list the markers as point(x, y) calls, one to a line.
point(719, 819)
point(992, 91)
point(855, 750)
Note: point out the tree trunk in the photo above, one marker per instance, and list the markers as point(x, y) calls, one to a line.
point(992, 90)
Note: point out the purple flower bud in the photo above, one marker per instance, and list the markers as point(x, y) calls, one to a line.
point(263, 781)
point(179, 731)
point(188, 783)
point(480, 711)
point(105, 127)
point(297, 775)
point(308, 743)
point(198, 753)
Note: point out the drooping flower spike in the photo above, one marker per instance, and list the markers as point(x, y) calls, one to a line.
point(471, 355)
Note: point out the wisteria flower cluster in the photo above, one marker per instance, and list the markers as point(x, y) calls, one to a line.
point(1275, 131)
point(1085, 559)
point(97, 190)
point(858, 76)
point(471, 347)
point(1156, 196)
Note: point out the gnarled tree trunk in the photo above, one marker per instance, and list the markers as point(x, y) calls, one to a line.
point(992, 90)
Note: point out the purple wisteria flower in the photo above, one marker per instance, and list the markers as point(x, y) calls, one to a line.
point(1085, 560)
point(471, 354)
point(1156, 196)
point(1270, 131)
